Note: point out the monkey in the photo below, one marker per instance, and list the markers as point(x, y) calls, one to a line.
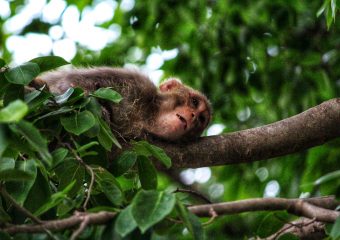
point(173, 112)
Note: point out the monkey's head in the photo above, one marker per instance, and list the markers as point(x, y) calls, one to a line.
point(184, 113)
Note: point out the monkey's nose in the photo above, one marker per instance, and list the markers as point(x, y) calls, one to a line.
point(193, 116)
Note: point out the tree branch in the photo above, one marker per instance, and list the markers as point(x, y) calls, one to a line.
point(58, 225)
point(313, 127)
point(303, 228)
point(315, 208)
point(299, 207)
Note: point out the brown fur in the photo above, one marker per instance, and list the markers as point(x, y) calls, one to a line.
point(134, 116)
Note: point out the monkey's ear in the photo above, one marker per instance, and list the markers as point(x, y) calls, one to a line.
point(170, 84)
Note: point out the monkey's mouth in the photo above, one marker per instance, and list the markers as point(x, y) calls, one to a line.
point(183, 121)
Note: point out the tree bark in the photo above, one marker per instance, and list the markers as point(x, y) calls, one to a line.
point(319, 209)
point(311, 128)
point(314, 208)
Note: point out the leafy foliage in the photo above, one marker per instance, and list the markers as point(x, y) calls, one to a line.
point(257, 61)
point(62, 146)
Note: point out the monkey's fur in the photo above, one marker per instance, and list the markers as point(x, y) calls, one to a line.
point(134, 116)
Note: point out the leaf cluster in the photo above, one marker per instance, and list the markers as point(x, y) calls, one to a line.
point(55, 152)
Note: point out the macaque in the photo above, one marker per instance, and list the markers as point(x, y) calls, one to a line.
point(174, 112)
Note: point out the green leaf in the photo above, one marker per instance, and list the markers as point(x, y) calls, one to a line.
point(22, 74)
point(288, 236)
point(105, 136)
point(3, 139)
point(39, 101)
point(333, 7)
point(20, 190)
point(109, 185)
point(328, 177)
point(70, 96)
point(19, 145)
point(78, 123)
point(102, 208)
point(146, 149)
point(87, 146)
point(111, 191)
point(190, 221)
point(32, 95)
point(271, 223)
point(107, 94)
point(123, 163)
point(159, 154)
point(34, 138)
point(94, 107)
point(60, 99)
point(40, 192)
point(93, 131)
point(335, 232)
point(125, 222)
point(55, 199)
point(150, 207)
point(329, 16)
point(6, 163)
point(61, 110)
point(147, 173)
point(4, 217)
point(322, 8)
point(3, 84)
point(49, 62)
point(14, 112)
point(13, 92)
point(70, 171)
point(58, 156)
point(77, 94)
point(2, 63)
point(196, 226)
point(15, 175)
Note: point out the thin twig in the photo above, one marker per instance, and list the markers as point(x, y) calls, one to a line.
point(174, 220)
point(85, 221)
point(88, 168)
point(290, 225)
point(90, 186)
point(22, 157)
point(23, 210)
point(213, 216)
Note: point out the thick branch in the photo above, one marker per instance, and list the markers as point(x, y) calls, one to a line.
point(313, 127)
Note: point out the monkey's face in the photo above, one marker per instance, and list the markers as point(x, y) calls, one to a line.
point(184, 113)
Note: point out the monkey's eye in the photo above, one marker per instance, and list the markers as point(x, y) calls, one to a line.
point(194, 102)
point(202, 119)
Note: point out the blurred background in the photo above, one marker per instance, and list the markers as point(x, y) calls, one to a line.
point(257, 61)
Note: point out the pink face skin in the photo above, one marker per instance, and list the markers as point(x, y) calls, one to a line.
point(176, 123)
